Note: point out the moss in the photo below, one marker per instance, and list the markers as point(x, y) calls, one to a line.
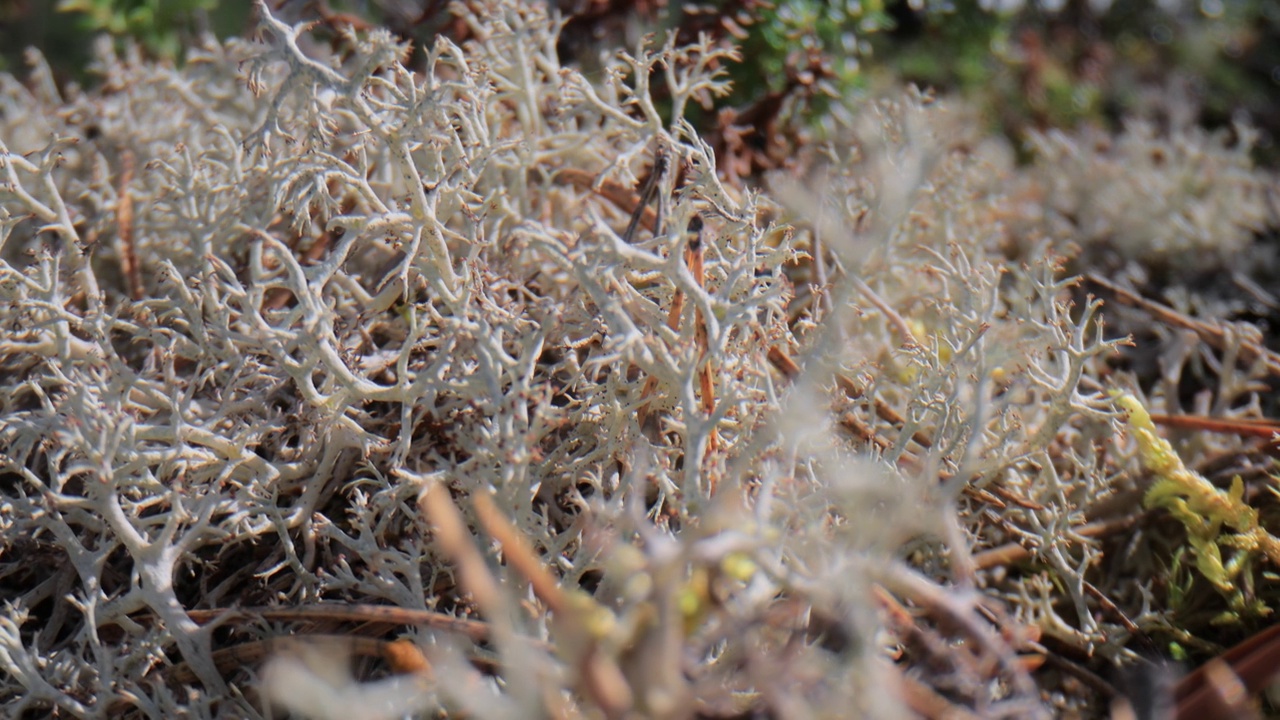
point(1204, 510)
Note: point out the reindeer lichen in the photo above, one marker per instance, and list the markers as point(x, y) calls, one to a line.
point(294, 330)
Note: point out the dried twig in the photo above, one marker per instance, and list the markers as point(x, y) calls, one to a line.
point(1249, 427)
point(1250, 666)
point(354, 613)
point(402, 655)
point(1213, 333)
point(124, 225)
point(615, 192)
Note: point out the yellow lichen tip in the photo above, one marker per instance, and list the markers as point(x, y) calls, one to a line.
point(738, 566)
point(598, 620)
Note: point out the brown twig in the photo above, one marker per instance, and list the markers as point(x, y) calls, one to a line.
point(1213, 333)
point(354, 613)
point(780, 360)
point(1259, 427)
point(124, 227)
point(457, 543)
point(615, 192)
point(854, 391)
point(602, 677)
point(402, 656)
point(695, 258)
point(1110, 607)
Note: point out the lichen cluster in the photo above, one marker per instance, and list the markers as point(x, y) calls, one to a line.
point(1191, 200)
point(743, 450)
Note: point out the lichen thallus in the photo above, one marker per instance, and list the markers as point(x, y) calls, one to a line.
point(694, 258)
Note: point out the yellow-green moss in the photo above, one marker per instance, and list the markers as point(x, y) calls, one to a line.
point(1203, 509)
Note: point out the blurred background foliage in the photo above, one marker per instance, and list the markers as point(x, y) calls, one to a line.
point(1023, 64)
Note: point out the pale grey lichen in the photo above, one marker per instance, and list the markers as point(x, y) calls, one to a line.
point(1189, 198)
point(357, 281)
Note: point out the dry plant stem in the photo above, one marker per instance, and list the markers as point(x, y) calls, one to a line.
point(1213, 333)
point(1255, 662)
point(1010, 553)
point(855, 392)
point(1099, 684)
point(603, 679)
point(1262, 428)
point(783, 363)
point(518, 554)
point(474, 576)
point(1110, 607)
point(695, 257)
point(402, 656)
point(472, 629)
point(864, 432)
point(451, 533)
point(1012, 497)
point(124, 224)
point(615, 192)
